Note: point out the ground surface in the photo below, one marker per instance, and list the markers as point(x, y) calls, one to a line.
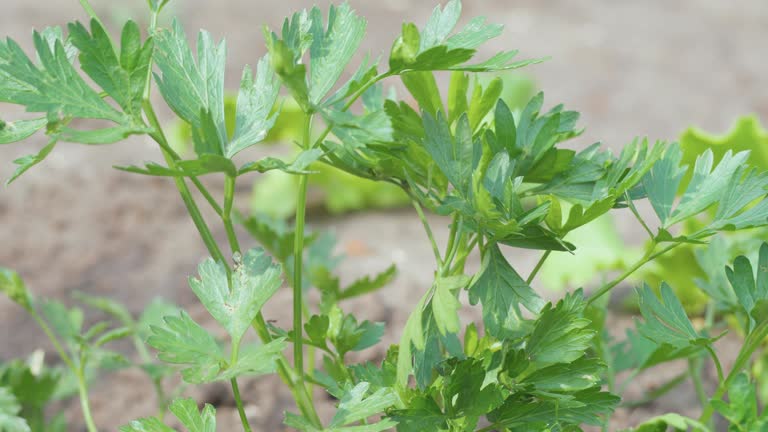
point(632, 69)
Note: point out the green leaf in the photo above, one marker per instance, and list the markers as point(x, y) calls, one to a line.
point(19, 130)
point(195, 420)
point(580, 374)
point(436, 48)
point(149, 424)
point(9, 413)
point(274, 235)
point(423, 88)
point(185, 409)
point(26, 162)
point(183, 341)
point(501, 291)
point(254, 104)
point(53, 86)
point(254, 281)
point(741, 409)
point(452, 153)
point(662, 182)
point(100, 136)
point(13, 286)
point(708, 185)
point(663, 422)
point(366, 285)
point(746, 134)
point(67, 323)
point(194, 91)
point(205, 164)
point(421, 414)
point(122, 76)
point(584, 407)
point(465, 392)
point(561, 333)
point(300, 165)
point(749, 289)
point(445, 302)
point(255, 360)
point(332, 48)
point(357, 405)
point(666, 320)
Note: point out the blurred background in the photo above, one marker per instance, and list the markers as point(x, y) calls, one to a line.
point(652, 68)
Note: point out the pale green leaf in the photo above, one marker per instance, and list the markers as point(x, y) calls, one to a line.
point(53, 86)
point(182, 341)
point(12, 132)
point(332, 47)
point(254, 104)
point(254, 281)
point(358, 405)
point(9, 413)
point(121, 75)
point(194, 90)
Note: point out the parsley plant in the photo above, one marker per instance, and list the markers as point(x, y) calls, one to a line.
point(498, 174)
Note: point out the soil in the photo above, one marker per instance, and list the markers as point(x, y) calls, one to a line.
point(73, 223)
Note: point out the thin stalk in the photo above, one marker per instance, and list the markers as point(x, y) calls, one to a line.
point(298, 264)
point(649, 256)
point(538, 267)
point(300, 395)
point(454, 243)
point(694, 370)
point(239, 403)
point(349, 103)
point(461, 258)
point(204, 192)
point(428, 230)
point(226, 216)
point(632, 208)
point(236, 389)
point(754, 340)
point(186, 196)
point(54, 340)
point(82, 390)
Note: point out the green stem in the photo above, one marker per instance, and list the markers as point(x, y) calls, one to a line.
point(753, 341)
point(349, 103)
point(204, 192)
point(300, 395)
point(236, 389)
point(454, 243)
point(649, 256)
point(538, 267)
point(186, 196)
point(82, 390)
point(428, 230)
point(54, 340)
point(632, 208)
point(298, 264)
point(226, 216)
point(694, 370)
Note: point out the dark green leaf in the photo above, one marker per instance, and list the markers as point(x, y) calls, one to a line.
point(501, 291)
